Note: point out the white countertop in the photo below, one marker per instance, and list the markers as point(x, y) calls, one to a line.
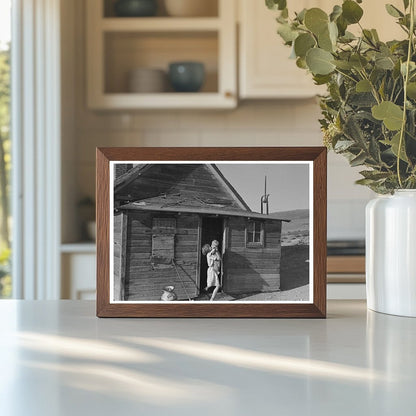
point(57, 358)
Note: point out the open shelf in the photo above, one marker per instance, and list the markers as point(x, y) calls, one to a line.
point(210, 9)
point(160, 24)
point(80, 247)
point(126, 51)
point(119, 45)
point(168, 100)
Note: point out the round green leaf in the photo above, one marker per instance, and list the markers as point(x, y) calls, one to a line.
point(342, 25)
point(351, 11)
point(325, 42)
point(276, 4)
point(384, 62)
point(319, 61)
point(375, 35)
point(287, 33)
point(344, 65)
point(411, 90)
point(358, 61)
point(316, 20)
point(363, 86)
point(394, 146)
point(333, 32)
point(393, 11)
point(303, 43)
point(322, 79)
point(301, 63)
point(328, 38)
point(391, 114)
point(336, 12)
point(301, 15)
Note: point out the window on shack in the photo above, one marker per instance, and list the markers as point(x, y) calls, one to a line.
point(255, 234)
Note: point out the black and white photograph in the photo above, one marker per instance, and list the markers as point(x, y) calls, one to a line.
point(211, 232)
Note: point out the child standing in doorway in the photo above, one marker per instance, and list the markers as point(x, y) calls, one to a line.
point(214, 269)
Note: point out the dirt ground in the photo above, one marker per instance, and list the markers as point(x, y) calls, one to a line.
point(294, 279)
point(297, 294)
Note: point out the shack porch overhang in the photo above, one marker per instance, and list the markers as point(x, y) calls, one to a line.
point(141, 206)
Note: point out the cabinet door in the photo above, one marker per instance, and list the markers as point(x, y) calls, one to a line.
point(78, 276)
point(265, 68)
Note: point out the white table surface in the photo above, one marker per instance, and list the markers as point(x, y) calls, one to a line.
point(57, 358)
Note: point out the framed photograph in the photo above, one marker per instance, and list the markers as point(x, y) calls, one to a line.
point(211, 232)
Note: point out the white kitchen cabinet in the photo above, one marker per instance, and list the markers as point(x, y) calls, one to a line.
point(118, 45)
point(78, 271)
point(265, 70)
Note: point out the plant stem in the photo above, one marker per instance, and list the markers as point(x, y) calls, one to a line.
point(406, 80)
point(373, 88)
point(346, 75)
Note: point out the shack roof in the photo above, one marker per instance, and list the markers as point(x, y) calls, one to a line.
point(203, 182)
point(181, 188)
point(206, 210)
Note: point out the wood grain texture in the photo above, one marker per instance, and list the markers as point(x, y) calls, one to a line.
point(251, 269)
point(319, 229)
point(195, 309)
point(103, 231)
point(150, 251)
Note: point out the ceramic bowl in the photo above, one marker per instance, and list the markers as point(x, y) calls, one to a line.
point(135, 8)
point(186, 76)
point(147, 80)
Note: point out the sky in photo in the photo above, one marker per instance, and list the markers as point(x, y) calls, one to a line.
point(287, 184)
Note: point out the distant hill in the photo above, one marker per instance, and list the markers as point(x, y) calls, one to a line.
point(297, 230)
point(296, 214)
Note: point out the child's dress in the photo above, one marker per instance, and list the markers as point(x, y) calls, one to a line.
point(214, 268)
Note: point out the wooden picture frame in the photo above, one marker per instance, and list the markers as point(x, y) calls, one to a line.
point(146, 159)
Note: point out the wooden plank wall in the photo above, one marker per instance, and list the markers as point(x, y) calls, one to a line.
point(143, 281)
point(252, 269)
point(118, 220)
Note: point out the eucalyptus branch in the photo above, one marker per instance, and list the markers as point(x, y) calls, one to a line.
point(346, 75)
point(406, 80)
point(398, 95)
point(365, 61)
point(392, 90)
point(404, 28)
point(373, 88)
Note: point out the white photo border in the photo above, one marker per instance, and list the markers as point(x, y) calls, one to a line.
point(222, 162)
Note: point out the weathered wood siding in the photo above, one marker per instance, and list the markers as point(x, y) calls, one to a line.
point(252, 269)
point(118, 238)
point(145, 282)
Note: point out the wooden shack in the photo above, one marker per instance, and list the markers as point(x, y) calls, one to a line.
point(163, 215)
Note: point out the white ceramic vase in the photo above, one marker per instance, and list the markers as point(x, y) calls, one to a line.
point(391, 253)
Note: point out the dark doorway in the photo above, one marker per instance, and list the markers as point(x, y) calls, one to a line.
point(212, 229)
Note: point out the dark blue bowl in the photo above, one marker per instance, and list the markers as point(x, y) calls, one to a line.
point(186, 76)
point(135, 8)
